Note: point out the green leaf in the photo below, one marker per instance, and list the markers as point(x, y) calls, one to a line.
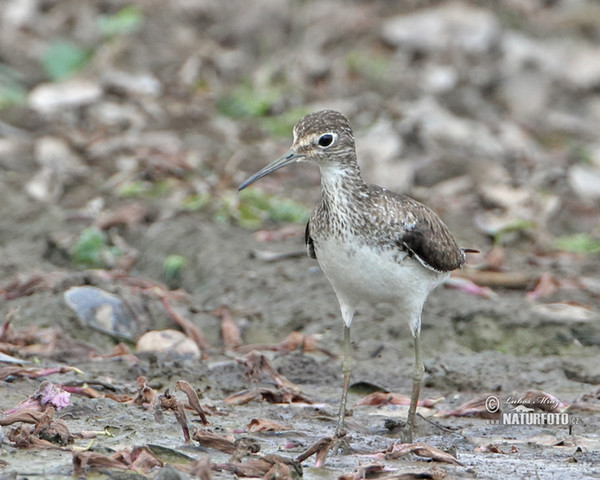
point(63, 59)
point(246, 101)
point(172, 270)
point(578, 243)
point(193, 203)
point(127, 20)
point(90, 247)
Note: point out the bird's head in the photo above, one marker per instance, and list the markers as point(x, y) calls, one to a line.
point(324, 137)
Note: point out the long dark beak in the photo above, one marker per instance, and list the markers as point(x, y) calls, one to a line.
point(290, 157)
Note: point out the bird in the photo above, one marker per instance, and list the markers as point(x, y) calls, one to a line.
point(372, 244)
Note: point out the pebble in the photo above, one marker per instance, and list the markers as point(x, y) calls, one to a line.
point(585, 181)
point(102, 311)
point(58, 164)
point(159, 341)
point(141, 84)
point(48, 98)
point(450, 26)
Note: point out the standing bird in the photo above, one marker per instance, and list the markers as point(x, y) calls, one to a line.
point(373, 245)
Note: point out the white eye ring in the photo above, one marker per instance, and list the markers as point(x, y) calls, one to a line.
point(327, 140)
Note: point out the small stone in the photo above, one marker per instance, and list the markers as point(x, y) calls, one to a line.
point(102, 311)
point(51, 97)
point(585, 181)
point(583, 69)
point(454, 25)
point(143, 84)
point(58, 166)
point(160, 341)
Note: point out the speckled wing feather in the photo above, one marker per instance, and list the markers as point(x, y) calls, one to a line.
point(421, 232)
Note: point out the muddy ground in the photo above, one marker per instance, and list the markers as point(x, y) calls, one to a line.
point(486, 111)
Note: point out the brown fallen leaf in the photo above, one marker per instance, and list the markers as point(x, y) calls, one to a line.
point(270, 395)
point(267, 467)
point(209, 439)
point(128, 215)
point(33, 372)
point(256, 467)
point(391, 398)
point(257, 364)
point(56, 432)
point(397, 450)
point(468, 286)
point(491, 448)
point(190, 329)
point(138, 458)
point(320, 448)
point(478, 407)
point(145, 396)
point(166, 401)
point(23, 437)
point(547, 285)
point(230, 332)
point(537, 399)
point(28, 415)
point(88, 460)
point(372, 470)
point(293, 342)
point(193, 399)
point(24, 286)
point(200, 469)
point(266, 425)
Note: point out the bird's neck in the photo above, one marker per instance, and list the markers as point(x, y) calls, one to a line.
point(340, 183)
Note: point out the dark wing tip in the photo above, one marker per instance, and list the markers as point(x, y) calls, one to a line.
point(308, 241)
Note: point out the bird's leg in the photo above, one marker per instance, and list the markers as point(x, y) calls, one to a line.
point(346, 371)
point(417, 377)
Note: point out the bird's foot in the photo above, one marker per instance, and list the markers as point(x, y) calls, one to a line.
point(341, 442)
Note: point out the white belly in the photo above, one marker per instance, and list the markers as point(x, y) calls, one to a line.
point(363, 274)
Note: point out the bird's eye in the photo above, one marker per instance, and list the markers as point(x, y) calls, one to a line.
point(326, 140)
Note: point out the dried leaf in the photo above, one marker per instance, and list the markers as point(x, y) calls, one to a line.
point(546, 286)
point(189, 328)
point(540, 400)
point(266, 425)
point(232, 338)
point(293, 342)
point(212, 440)
point(320, 448)
point(391, 398)
point(397, 450)
point(270, 395)
point(257, 364)
point(192, 396)
point(468, 286)
point(478, 407)
point(88, 460)
point(166, 401)
point(32, 372)
point(145, 395)
point(29, 415)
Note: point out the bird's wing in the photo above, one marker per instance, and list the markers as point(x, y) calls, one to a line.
point(421, 232)
point(310, 245)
